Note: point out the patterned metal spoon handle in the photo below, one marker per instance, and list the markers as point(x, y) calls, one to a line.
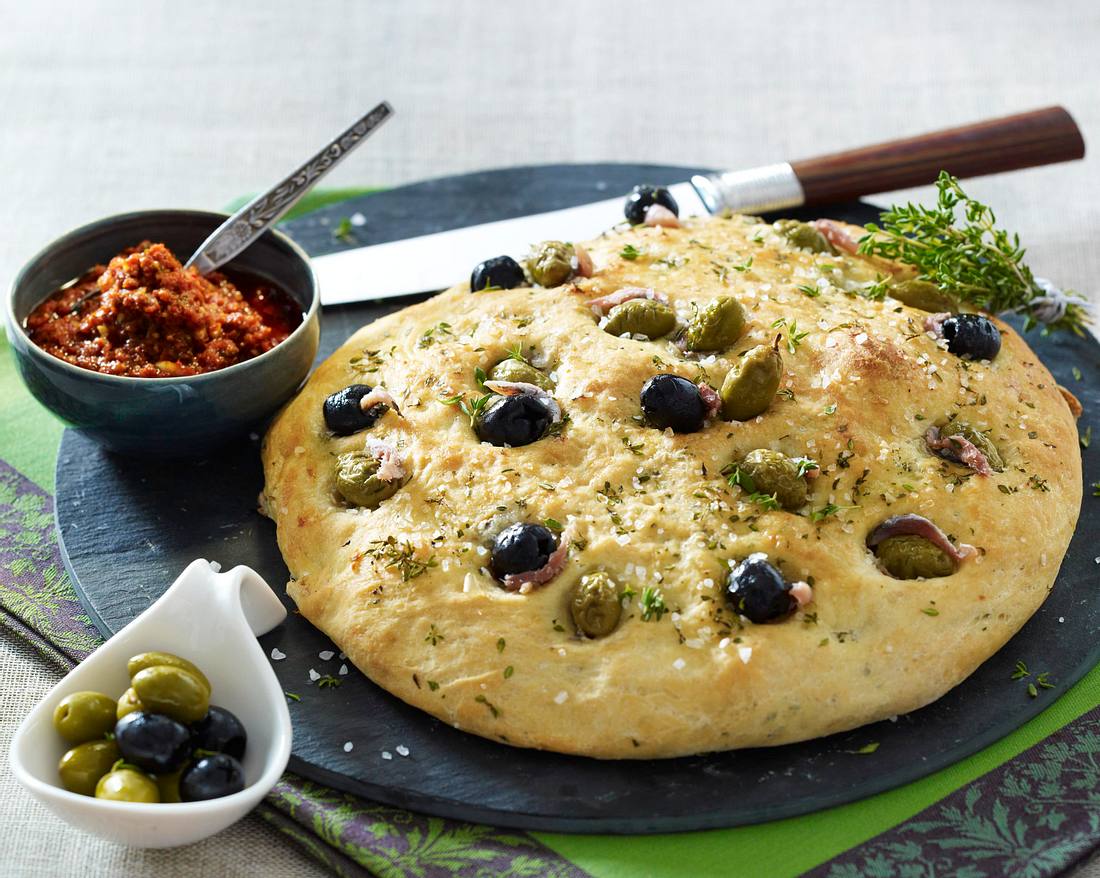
point(248, 223)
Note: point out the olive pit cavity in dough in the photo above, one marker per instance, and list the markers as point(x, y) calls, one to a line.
point(773, 473)
point(595, 605)
point(500, 272)
point(518, 371)
point(521, 548)
point(923, 295)
point(757, 591)
point(646, 317)
point(715, 326)
point(972, 336)
point(642, 198)
point(751, 385)
point(804, 236)
point(513, 421)
point(975, 437)
point(357, 480)
point(343, 413)
point(671, 401)
point(551, 263)
point(913, 557)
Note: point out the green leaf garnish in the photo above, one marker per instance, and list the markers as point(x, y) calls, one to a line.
point(630, 252)
point(343, 231)
point(827, 510)
point(957, 246)
point(653, 604)
point(794, 337)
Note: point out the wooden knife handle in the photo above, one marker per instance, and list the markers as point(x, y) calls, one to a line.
point(1041, 137)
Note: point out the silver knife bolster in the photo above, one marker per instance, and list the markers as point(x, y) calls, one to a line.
point(755, 190)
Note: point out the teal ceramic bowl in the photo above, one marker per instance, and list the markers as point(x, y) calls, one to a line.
point(188, 416)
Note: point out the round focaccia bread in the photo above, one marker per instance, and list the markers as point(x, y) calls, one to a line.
point(405, 589)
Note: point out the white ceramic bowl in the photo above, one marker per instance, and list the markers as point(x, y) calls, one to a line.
point(213, 619)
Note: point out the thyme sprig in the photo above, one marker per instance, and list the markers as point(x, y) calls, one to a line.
point(957, 246)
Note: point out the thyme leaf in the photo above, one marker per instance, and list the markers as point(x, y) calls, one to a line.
point(956, 245)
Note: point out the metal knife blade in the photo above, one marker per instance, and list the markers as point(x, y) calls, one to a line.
point(434, 262)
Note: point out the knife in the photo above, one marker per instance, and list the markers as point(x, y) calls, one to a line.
point(434, 262)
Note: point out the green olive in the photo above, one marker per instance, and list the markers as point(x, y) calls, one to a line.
point(128, 703)
point(646, 317)
point(923, 295)
point(551, 263)
point(127, 785)
point(517, 370)
point(84, 716)
point(772, 472)
point(716, 326)
point(82, 767)
point(168, 785)
point(172, 691)
point(978, 439)
point(909, 557)
point(750, 386)
point(596, 605)
point(149, 659)
point(357, 483)
point(804, 235)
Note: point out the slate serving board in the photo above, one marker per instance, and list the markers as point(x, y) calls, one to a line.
point(129, 527)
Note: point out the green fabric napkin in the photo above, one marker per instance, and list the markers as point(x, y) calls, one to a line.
point(1039, 813)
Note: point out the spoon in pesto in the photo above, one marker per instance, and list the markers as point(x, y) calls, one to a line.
point(263, 211)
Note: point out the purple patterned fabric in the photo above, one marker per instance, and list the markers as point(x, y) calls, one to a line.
point(352, 837)
point(1038, 815)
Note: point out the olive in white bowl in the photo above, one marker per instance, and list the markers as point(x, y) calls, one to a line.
point(213, 618)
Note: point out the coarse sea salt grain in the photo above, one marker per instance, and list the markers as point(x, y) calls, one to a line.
point(386, 754)
point(402, 750)
point(561, 697)
point(326, 654)
point(343, 670)
point(679, 664)
point(744, 653)
point(314, 676)
point(277, 655)
point(723, 643)
point(347, 746)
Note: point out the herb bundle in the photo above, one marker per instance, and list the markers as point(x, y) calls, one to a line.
point(957, 246)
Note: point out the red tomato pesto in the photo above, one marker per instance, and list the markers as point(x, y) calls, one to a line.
point(146, 316)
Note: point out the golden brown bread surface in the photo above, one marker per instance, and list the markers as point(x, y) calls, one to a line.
point(652, 509)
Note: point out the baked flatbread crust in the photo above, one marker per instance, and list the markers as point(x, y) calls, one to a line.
point(652, 509)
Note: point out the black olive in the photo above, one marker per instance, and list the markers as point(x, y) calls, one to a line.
point(513, 421)
point(758, 592)
point(672, 401)
point(344, 415)
point(972, 336)
point(211, 778)
point(644, 196)
point(521, 548)
point(221, 732)
point(500, 271)
point(153, 742)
